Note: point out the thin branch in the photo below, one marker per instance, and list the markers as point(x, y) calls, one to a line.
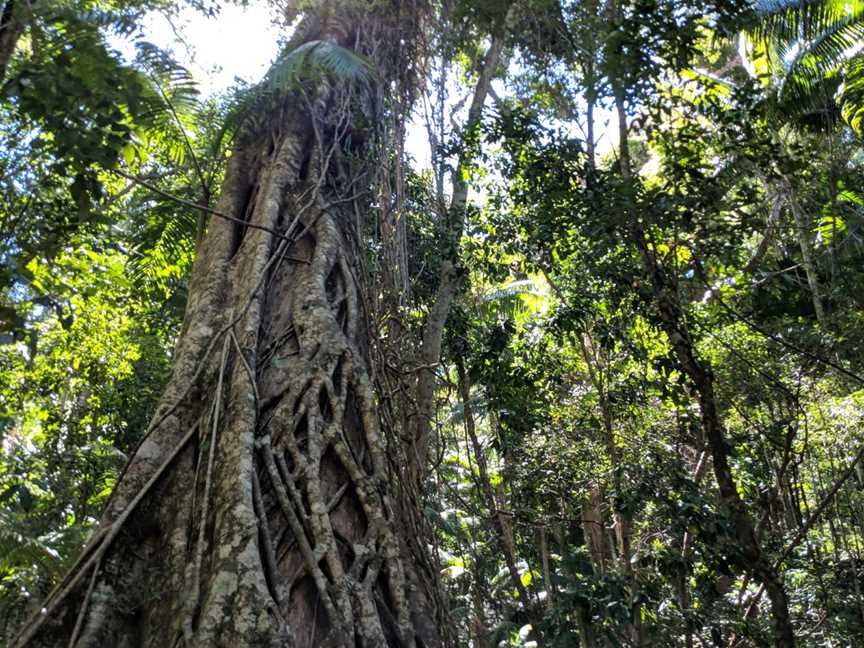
point(193, 205)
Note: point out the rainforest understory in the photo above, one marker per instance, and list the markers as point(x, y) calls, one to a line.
point(525, 323)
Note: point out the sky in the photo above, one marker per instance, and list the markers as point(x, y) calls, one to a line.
point(241, 42)
point(237, 43)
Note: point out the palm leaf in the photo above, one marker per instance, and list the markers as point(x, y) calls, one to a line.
point(806, 49)
point(852, 94)
point(170, 102)
point(315, 56)
point(516, 299)
point(791, 20)
point(164, 248)
point(297, 65)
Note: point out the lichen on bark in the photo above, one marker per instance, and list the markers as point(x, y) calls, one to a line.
point(262, 507)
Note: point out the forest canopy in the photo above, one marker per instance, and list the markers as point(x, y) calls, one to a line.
point(584, 368)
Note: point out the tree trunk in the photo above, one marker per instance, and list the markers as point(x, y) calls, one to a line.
point(263, 507)
point(12, 24)
point(453, 227)
point(503, 529)
point(675, 326)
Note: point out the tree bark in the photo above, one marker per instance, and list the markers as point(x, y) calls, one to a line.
point(263, 507)
point(454, 225)
point(700, 375)
point(12, 24)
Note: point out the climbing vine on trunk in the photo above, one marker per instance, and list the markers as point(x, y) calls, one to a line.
point(263, 507)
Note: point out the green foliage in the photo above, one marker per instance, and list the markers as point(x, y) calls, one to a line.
point(74, 398)
point(585, 411)
point(71, 110)
point(83, 344)
point(579, 415)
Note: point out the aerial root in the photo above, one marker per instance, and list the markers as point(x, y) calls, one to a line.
point(82, 613)
point(193, 575)
point(306, 549)
point(274, 581)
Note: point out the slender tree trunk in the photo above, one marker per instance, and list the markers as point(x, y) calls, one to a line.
point(502, 525)
point(479, 631)
point(12, 24)
point(543, 547)
point(702, 378)
point(684, 597)
point(592, 144)
point(263, 506)
point(623, 522)
point(453, 227)
point(771, 226)
point(802, 235)
point(594, 529)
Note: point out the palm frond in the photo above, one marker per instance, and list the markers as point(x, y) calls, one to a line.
point(291, 70)
point(316, 56)
point(804, 49)
point(513, 289)
point(791, 21)
point(852, 94)
point(175, 80)
point(516, 299)
point(170, 104)
point(164, 248)
point(479, 408)
point(824, 53)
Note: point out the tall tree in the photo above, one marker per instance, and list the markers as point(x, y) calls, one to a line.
point(263, 506)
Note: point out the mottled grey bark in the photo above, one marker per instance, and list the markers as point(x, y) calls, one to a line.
point(263, 507)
